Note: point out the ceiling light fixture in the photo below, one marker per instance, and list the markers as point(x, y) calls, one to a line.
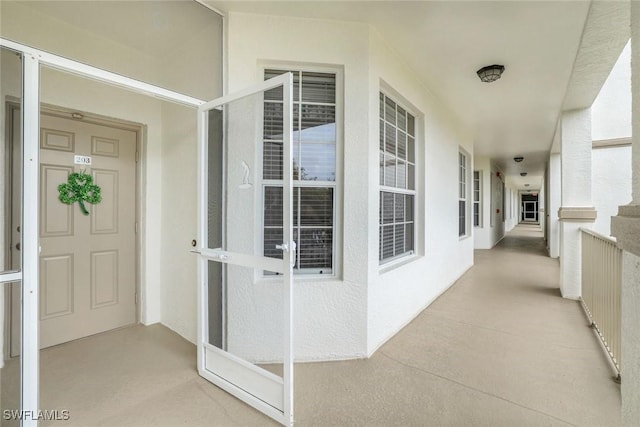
point(518, 159)
point(526, 185)
point(490, 73)
point(523, 174)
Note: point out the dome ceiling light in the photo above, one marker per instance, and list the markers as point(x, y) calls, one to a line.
point(523, 174)
point(490, 73)
point(518, 159)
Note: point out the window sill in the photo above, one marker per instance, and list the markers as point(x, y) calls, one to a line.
point(465, 237)
point(397, 263)
point(299, 278)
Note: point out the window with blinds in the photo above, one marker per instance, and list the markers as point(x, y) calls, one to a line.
point(462, 196)
point(477, 209)
point(314, 170)
point(397, 181)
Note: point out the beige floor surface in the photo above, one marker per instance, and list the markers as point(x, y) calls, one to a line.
point(500, 348)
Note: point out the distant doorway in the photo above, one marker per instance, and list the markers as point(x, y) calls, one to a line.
point(529, 208)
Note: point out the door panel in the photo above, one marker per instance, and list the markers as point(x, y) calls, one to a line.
point(87, 262)
point(245, 297)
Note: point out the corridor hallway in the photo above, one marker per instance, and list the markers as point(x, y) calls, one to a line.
point(500, 348)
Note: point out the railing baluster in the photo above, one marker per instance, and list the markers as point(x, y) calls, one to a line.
point(601, 283)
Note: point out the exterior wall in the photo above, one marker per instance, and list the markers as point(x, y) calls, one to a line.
point(555, 184)
point(168, 205)
point(352, 314)
point(493, 222)
point(331, 314)
point(395, 295)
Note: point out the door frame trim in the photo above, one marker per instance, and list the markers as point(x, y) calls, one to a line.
point(12, 104)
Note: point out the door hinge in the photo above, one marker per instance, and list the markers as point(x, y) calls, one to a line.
point(136, 227)
point(135, 298)
point(137, 156)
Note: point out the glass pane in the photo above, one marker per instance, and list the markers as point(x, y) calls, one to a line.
point(381, 168)
point(10, 376)
point(387, 207)
point(411, 125)
point(317, 162)
point(402, 119)
point(462, 218)
point(390, 171)
point(387, 241)
point(401, 174)
point(402, 145)
point(409, 209)
point(172, 44)
point(390, 111)
point(399, 239)
point(408, 238)
point(399, 208)
point(316, 206)
point(276, 93)
point(318, 87)
point(381, 106)
point(11, 161)
point(390, 139)
point(411, 155)
point(411, 184)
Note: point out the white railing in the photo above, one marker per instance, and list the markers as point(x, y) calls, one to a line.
point(601, 288)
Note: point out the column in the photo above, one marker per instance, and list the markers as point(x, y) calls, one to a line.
point(577, 210)
point(555, 200)
point(626, 228)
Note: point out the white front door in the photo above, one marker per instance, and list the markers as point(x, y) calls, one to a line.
point(246, 298)
point(88, 252)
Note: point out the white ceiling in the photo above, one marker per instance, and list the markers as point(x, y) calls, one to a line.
point(155, 28)
point(446, 42)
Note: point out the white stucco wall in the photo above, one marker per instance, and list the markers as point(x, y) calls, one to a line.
point(330, 313)
point(355, 312)
point(554, 175)
point(494, 223)
point(396, 295)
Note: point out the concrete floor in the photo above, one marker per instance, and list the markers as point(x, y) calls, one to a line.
point(500, 348)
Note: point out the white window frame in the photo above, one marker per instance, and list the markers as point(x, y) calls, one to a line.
point(400, 102)
point(336, 268)
point(464, 191)
point(478, 202)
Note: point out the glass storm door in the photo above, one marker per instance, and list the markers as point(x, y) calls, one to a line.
point(530, 211)
point(245, 299)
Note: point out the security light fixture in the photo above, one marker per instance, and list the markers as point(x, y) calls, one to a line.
point(523, 174)
point(518, 159)
point(490, 73)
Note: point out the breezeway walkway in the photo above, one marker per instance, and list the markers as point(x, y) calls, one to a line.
point(500, 348)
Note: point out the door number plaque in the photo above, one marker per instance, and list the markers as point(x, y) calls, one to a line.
point(82, 160)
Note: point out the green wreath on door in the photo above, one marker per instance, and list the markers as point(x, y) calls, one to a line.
point(80, 188)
